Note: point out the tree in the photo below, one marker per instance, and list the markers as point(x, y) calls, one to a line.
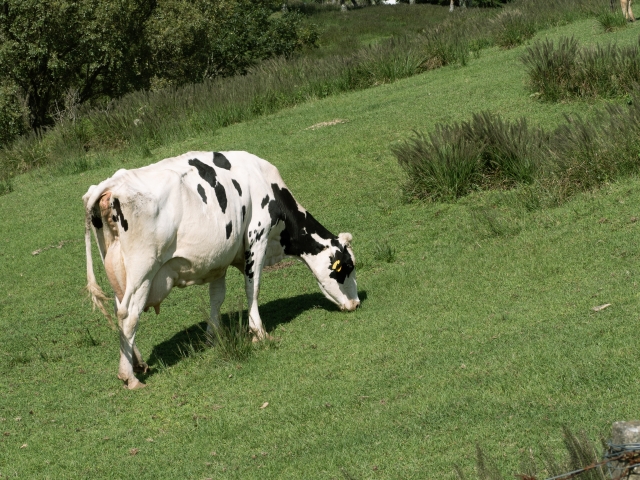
point(96, 50)
point(96, 47)
point(202, 39)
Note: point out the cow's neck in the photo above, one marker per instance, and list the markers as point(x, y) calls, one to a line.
point(302, 235)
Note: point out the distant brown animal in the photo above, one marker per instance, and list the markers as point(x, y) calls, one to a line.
point(626, 10)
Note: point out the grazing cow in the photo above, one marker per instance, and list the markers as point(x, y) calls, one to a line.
point(184, 220)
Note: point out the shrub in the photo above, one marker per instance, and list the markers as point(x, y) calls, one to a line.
point(511, 151)
point(146, 119)
point(13, 115)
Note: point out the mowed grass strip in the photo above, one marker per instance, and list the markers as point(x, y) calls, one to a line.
point(480, 331)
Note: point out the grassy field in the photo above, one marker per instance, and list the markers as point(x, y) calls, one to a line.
point(342, 32)
point(479, 332)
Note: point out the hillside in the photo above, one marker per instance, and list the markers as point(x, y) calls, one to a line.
point(480, 331)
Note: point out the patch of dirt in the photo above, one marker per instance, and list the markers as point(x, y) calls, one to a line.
point(326, 124)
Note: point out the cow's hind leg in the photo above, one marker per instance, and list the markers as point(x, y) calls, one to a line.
point(139, 365)
point(128, 316)
point(217, 292)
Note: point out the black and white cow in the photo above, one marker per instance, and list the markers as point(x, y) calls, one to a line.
point(184, 220)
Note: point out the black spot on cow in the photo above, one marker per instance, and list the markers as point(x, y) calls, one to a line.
point(248, 264)
point(259, 234)
point(114, 218)
point(202, 193)
point(259, 224)
point(244, 212)
point(341, 263)
point(229, 227)
point(120, 216)
point(296, 238)
point(221, 195)
point(264, 202)
point(207, 173)
point(219, 160)
point(96, 221)
point(237, 185)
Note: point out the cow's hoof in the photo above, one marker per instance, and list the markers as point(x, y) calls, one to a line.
point(141, 368)
point(135, 384)
point(261, 336)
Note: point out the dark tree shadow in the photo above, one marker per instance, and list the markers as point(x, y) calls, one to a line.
point(185, 342)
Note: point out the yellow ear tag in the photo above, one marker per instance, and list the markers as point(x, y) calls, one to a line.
point(336, 266)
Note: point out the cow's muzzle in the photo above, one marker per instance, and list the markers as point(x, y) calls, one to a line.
point(350, 306)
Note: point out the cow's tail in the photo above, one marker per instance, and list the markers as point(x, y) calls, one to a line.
point(97, 296)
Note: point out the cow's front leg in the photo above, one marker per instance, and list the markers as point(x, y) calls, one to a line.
point(254, 260)
point(217, 292)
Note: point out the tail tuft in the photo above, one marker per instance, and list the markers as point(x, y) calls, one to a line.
point(98, 297)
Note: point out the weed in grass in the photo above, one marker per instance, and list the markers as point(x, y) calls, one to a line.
point(612, 21)
point(493, 222)
point(383, 252)
point(233, 342)
point(6, 186)
point(580, 452)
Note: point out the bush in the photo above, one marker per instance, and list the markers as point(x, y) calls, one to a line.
point(13, 115)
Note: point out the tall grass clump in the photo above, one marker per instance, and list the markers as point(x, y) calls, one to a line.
point(443, 165)
point(565, 70)
point(233, 342)
point(513, 28)
point(589, 152)
point(580, 451)
point(610, 21)
point(486, 152)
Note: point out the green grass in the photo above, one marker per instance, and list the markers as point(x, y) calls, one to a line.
point(479, 332)
point(342, 32)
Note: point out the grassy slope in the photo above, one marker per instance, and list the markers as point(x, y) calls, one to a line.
point(383, 387)
point(339, 32)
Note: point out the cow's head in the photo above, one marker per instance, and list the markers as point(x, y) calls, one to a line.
point(334, 268)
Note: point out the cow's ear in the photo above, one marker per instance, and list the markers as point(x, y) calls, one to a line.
point(345, 238)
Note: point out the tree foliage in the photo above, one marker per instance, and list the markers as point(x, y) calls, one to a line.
point(91, 51)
